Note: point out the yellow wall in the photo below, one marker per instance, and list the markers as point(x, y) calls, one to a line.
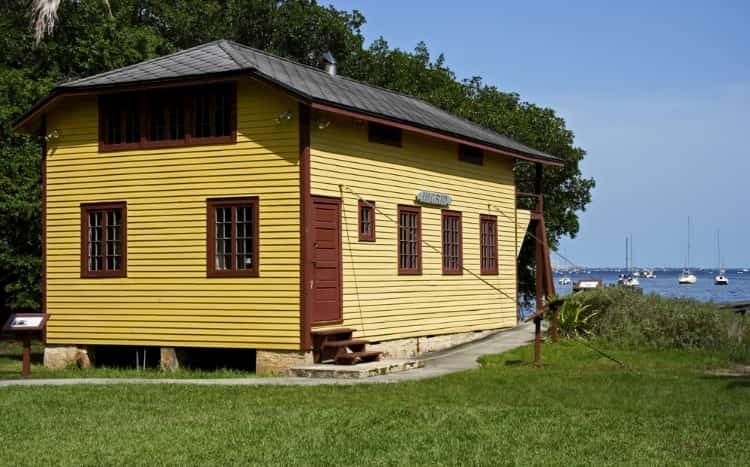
point(378, 302)
point(166, 298)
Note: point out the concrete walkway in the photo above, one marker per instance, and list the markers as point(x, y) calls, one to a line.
point(459, 358)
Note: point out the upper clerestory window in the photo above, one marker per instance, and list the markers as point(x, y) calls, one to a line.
point(470, 154)
point(384, 134)
point(168, 118)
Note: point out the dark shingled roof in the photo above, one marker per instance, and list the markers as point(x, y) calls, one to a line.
point(308, 82)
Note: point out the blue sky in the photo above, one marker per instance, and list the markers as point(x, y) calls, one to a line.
point(658, 93)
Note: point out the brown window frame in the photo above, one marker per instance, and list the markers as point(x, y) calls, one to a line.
point(448, 269)
point(405, 271)
point(484, 267)
point(187, 96)
point(211, 205)
point(470, 154)
point(86, 208)
point(362, 206)
point(384, 134)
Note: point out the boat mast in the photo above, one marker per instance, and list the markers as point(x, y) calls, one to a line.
point(627, 268)
point(688, 256)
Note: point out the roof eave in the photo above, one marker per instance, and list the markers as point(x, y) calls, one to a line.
point(410, 126)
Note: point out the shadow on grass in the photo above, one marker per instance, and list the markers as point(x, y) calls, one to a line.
point(733, 381)
point(36, 358)
point(743, 383)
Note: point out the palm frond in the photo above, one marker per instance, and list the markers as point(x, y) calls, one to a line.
point(44, 17)
point(44, 14)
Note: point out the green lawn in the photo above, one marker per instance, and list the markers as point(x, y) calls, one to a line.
point(579, 408)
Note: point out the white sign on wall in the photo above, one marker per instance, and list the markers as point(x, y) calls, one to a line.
point(436, 199)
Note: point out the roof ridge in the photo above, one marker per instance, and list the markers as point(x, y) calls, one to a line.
point(228, 47)
point(323, 72)
point(150, 60)
point(277, 57)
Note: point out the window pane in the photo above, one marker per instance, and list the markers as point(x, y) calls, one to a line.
point(95, 239)
point(223, 238)
point(245, 237)
point(451, 242)
point(112, 125)
point(383, 134)
point(121, 120)
point(113, 239)
point(408, 241)
point(212, 112)
point(488, 245)
point(365, 226)
point(166, 120)
point(132, 125)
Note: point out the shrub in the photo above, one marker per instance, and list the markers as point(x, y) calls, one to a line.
point(631, 319)
point(574, 319)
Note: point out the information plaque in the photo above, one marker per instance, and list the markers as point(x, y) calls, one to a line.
point(24, 324)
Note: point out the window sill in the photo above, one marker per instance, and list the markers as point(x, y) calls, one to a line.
point(409, 273)
point(105, 274)
point(214, 274)
point(168, 144)
point(453, 273)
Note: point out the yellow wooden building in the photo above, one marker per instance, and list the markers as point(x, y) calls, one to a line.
point(224, 197)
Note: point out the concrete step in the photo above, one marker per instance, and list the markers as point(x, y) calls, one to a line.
point(359, 371)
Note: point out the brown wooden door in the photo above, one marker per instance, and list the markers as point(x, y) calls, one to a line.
point(326, 231)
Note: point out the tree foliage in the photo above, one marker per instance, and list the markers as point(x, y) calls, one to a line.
point(92, 36)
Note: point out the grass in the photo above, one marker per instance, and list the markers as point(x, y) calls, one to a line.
point(578, 409)
point(10, 368)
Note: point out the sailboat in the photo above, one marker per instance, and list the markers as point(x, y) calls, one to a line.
point(687, 277)
point(722, 278)
point(628, 280)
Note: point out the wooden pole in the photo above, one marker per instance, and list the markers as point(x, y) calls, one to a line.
point(26, 355)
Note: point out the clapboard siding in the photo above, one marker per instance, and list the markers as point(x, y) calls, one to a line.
point(167, 298)
point(378, 302)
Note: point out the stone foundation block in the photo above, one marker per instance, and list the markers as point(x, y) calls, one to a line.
point(416, 346)
point(168, 360)
point(278, 362)
point(59, 357)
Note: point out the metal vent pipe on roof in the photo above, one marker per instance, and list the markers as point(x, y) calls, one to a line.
point(329, 63)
